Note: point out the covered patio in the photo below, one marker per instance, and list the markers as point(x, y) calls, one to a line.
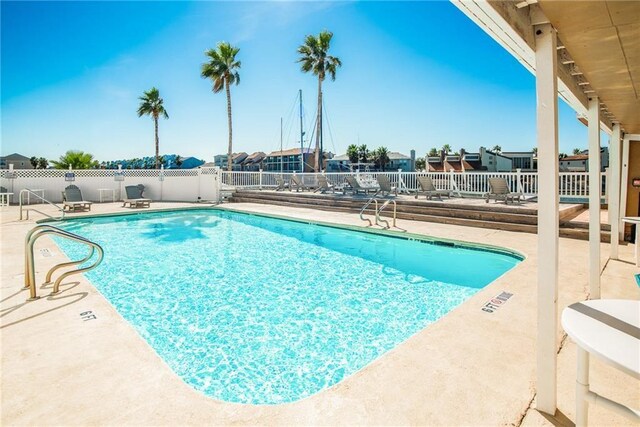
point(585, 52)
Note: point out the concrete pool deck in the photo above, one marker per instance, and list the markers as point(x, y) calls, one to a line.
point(469, 368)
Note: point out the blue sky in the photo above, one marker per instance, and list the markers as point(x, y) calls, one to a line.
point(415, 75)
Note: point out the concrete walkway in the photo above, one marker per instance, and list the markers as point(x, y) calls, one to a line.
point(469, 368)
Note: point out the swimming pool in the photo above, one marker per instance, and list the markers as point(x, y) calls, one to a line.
point(252, 309)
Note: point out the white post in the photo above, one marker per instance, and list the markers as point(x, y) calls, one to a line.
point(548, 216)
point(582, 388)
point(624, 182)
point(613, 183)
point(595, 189)
point(519, 188)
point(607, 180)
point(260, 179)
point(199, 196)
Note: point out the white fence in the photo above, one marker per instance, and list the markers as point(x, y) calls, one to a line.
point(179, 185)
point(572, 185)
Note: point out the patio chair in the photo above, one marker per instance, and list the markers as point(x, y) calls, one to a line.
point(499, 189)
point(4, 196)
point(324, 185)
point(134, 197)
point(281, 185)
point(426, 187)
point(296, 181)
point(357, 188)
point(385, 186)
point(73, 200)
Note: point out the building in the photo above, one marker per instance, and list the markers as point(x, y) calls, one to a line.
point(397, 161)
point(187, 163)
point(290, 160)
point(17, 160)
point(580, 162)
point(254, 162)
point(495, 162)
point(220, 160)
point(524, 160)
point(463, 162)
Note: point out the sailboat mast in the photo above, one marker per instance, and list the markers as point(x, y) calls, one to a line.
point(301, 135)
point(281, 156)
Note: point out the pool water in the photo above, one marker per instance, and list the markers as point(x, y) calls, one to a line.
point(260, 310)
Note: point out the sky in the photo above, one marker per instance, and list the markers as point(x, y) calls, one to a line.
point(415, 75)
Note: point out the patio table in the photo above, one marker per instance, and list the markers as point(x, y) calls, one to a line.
point(609, 329)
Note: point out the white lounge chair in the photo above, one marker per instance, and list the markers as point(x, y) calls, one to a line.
point(357, 188)
point(296, 182)
point(385, 186)
point(4, 196)
point(281, 185)
point(324, 185)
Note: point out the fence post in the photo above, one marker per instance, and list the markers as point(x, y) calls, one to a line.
point(452, 183)
point(260, 184)
point(519, 188)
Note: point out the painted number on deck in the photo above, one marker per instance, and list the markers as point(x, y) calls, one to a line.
point(496, 302)
point(87, 315)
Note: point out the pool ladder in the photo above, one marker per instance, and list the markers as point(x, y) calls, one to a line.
point(29, 264)
point(377, 211)
point(27, 210)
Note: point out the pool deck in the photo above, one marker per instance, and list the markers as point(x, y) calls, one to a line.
point(469, 368)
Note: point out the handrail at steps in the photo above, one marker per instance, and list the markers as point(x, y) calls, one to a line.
point(30, 193)
point(30, 275)
point(384, 205)
point(366, 205)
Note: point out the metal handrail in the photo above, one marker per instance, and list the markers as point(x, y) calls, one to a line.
point(366, 205)
point(30, 274)
point(27, 191)
point(384, 205)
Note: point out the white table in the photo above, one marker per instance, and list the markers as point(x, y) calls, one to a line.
point(4, 199)
point(36, 191)
point(101, 191)
point(609, 330)
point(635, 220)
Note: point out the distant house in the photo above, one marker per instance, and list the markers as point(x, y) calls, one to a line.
point(220, 160)
point(189, 163)
point(495, 162)
point(580, 162)
point(523, 160)
point(463, 162)
point(290, 160)
point(17, 160)
point(397, 161)
point(254, 162)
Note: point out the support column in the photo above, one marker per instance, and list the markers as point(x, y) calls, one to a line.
point(614, 190)
point(548, 217)
point(624, 182)
point(595, 189)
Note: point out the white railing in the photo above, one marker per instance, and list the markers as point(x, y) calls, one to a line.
point(572, 185)
point(179, 185)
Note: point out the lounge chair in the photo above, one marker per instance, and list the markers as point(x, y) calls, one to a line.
point(73, 200)
point(281, 185)
point(134, 197)
point(428, 189)
point(385, 186)
point(296, 182)
point(357, 188)
point(324, 185)
point(499, 189)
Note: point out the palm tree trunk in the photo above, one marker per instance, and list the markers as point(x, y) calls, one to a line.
point(155, 122)
point(318, 165)
point(230, 148)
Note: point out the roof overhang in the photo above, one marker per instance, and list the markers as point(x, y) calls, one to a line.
point(596, 48)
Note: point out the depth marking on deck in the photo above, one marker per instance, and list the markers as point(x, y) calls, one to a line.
point(496, 302)
point(45, 252)
point(87, 315)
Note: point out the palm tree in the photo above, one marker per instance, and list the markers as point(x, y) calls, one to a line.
point(151, 105)
point(446, 148)
point(352, 153)
point(497, 149)
point(576, 151)
point(314, 57)
point(363, 153)
point(34, 162)
point(222, 69)
point(421, 164)
point(43, 163)
point(534, 150)
point(434, 151)
point(381, 156)
point(75, 159)
point(178, 161)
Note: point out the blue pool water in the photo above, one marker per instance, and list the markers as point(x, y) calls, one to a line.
point(259, 310)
